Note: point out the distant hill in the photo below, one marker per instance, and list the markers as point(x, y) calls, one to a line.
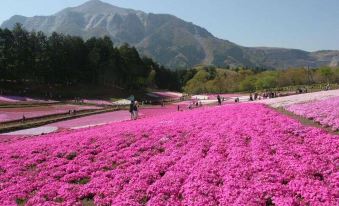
point(169, 40)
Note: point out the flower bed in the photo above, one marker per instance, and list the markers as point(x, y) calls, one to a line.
point(165, 95)
point(10, 114)
point(19, 99)
point(325, 112)
point(299, 98)
point(116, 116)
point(244, 154)
point(168, 94)
point(97, 102)
point(214, 96)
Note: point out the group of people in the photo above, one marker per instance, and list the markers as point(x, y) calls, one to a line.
point(327, 87)
point(134, 109)
point(72, 112)
point(301, 90)
point(194, 104)
point(264, 95)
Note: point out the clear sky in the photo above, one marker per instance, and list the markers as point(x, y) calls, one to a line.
point(304, 24)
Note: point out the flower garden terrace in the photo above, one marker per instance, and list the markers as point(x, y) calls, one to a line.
point(244, 154)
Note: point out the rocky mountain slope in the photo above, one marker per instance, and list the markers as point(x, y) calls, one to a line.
point(169, 40)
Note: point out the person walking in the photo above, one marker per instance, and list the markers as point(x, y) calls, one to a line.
point(219, 99)
point(251, 97)
point(136, 110)
point(23, 118)
point(131, 109)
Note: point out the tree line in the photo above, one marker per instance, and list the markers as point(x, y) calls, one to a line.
point(35, 58)
point(209, 79)
point(57, 59)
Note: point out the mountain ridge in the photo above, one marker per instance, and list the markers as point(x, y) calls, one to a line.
point(168, 39)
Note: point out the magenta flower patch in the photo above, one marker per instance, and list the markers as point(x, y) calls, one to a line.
point(244, 154)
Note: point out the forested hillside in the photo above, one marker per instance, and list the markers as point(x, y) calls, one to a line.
point(35, 58)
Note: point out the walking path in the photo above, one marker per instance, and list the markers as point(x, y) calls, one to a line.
point(98, 119)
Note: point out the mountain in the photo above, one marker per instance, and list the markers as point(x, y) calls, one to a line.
point(169, 40)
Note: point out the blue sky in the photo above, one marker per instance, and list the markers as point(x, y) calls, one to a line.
point(304, 24)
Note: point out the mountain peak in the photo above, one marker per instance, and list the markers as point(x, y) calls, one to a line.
point(171, 41)
point(99, 7)
point(94, 2)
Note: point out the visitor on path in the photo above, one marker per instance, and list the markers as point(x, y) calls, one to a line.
point(219, 99)
point(265, 95)
point(131, 108)
point(136, 110)
point(251, 97)
point(178, 107)
point(190, 105)
point(23, 118)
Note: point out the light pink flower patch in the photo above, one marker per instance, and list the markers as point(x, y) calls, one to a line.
point(10, 114)
point(244, 154)
point(168, 94)
point(16, 99)
point(97, 102)
point(325, 112)
point(214, 96)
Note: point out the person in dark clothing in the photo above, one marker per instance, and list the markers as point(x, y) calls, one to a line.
point(219, 99)
point(136, 110)
point(131, 108)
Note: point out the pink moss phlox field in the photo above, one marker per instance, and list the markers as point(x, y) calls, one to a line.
point(168, 94)
point(244, 154)
point(10, 114)
point(325, 112)
point(97, 102)
point(214, 96)
point(17, 99)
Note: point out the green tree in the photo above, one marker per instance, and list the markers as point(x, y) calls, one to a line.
point(248, 84)
point(326, 73)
